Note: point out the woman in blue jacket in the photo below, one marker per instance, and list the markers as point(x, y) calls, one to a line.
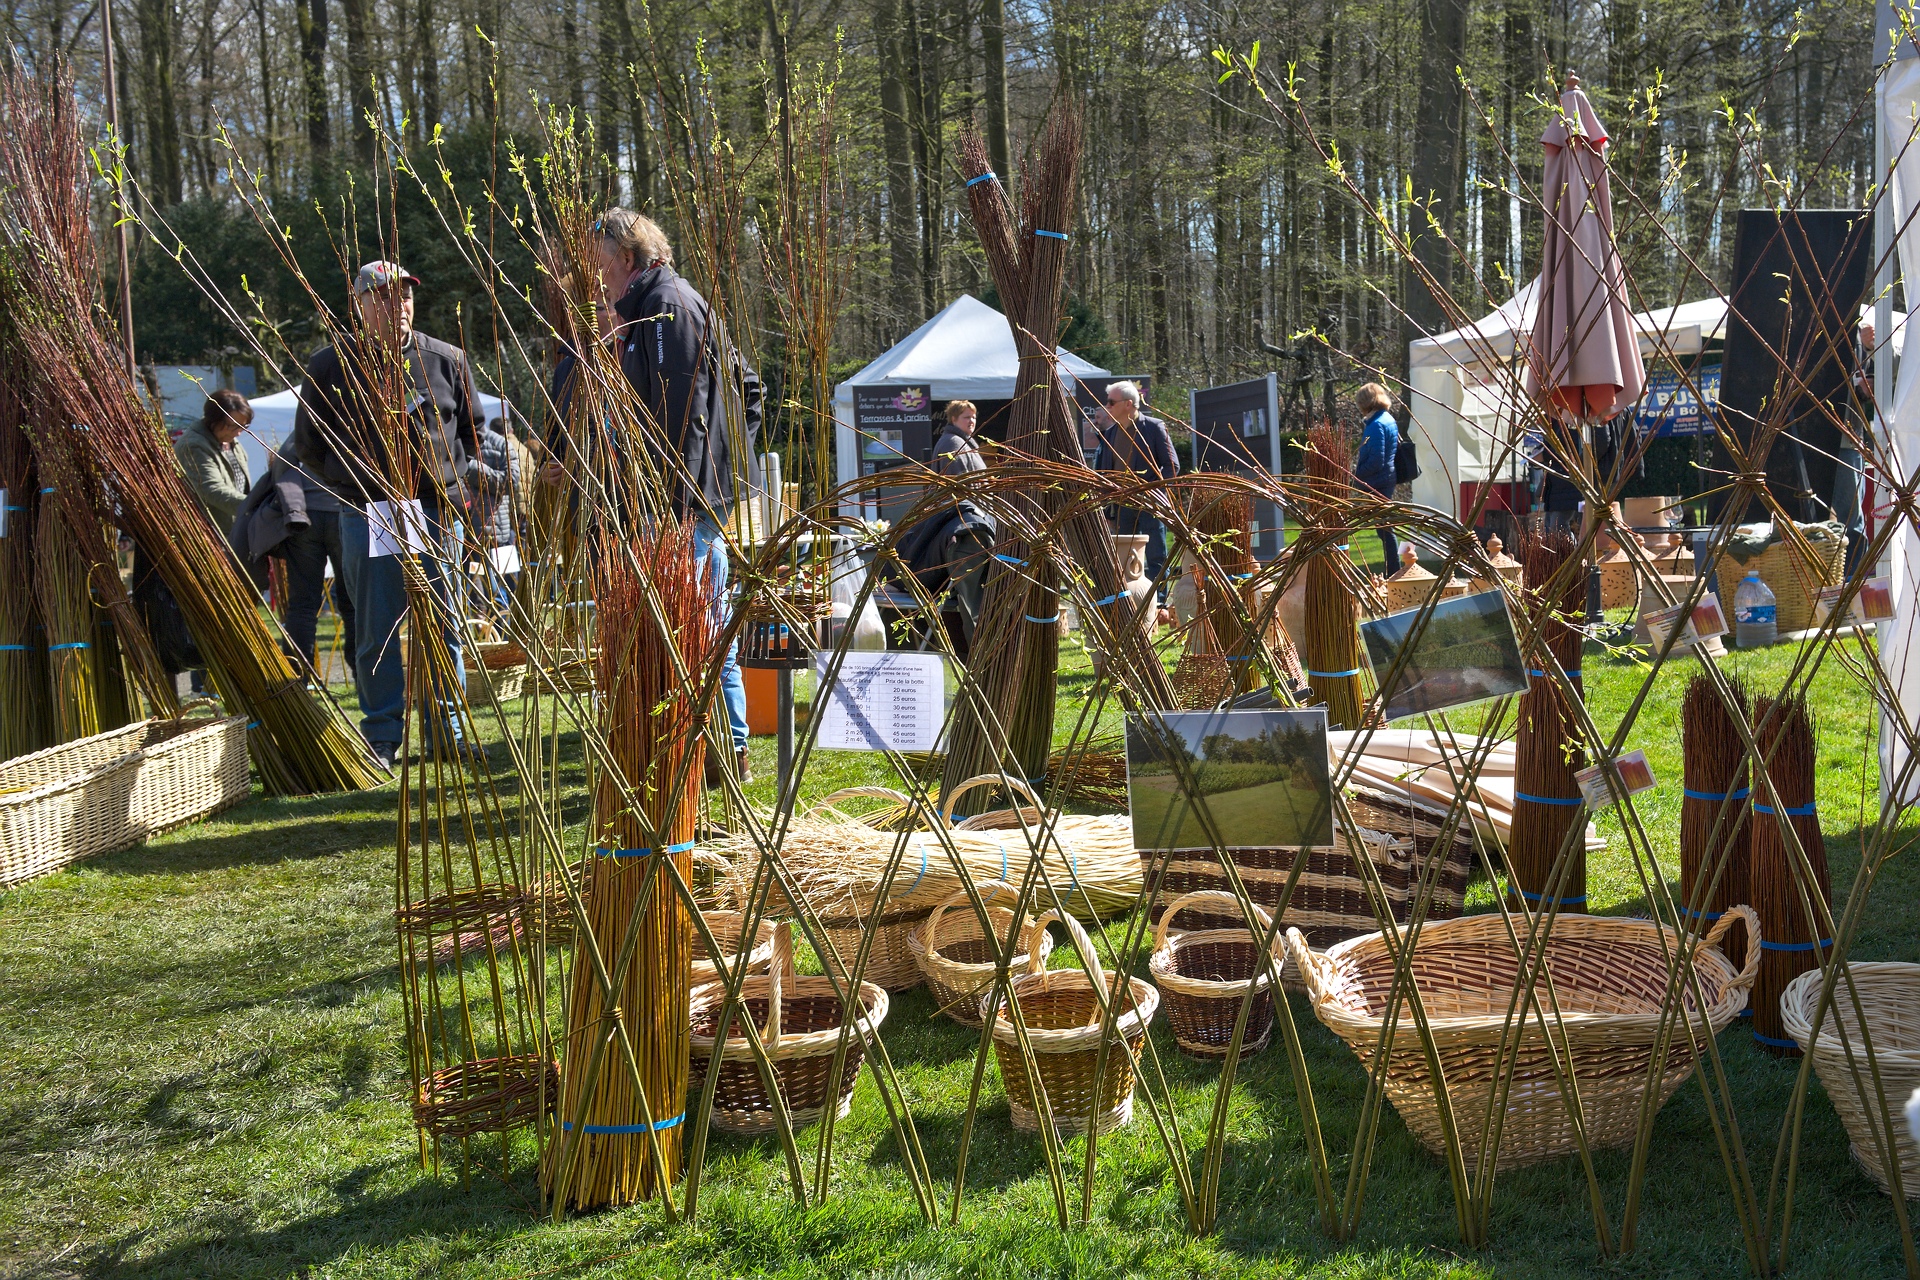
point(1373, 464)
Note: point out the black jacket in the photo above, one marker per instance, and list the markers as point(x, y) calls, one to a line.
point(1153, 458)
point(334, 436)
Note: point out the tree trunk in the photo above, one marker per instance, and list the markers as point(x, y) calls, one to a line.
point(903, 199)
point(313, 67)
point(429, 69)
point(268, 139)
point(607, 104)
point(993, 40)
point(359, 79)
point(1438, 171)
point(164, 178)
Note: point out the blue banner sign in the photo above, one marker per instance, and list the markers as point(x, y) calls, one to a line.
point(1671, 406)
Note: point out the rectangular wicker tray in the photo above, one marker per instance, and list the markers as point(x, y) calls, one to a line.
point(113, 790)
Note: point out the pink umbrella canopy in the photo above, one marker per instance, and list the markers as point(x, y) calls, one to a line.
point(1584, 357)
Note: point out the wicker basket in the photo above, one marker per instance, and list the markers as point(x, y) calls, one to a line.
point(1795, 583)
point(1061, 1011)
point(507, 683)
point(800, 1020)
point(952, 951)
point(1890, 997)
point(890, 964)
point(728, 926)
point(114, 789)
point(1610, 980)
point(1204, 976)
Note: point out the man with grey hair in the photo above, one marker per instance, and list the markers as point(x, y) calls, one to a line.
point(1141, 444)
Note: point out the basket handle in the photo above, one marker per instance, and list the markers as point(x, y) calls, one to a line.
point(781, 969)
point(723, 874)
point(987, 888)
point(1747, 916)
point(1202, 895)
point(863, 793)
point(1309, 964)
point(1016, 785)
point(1037, 962)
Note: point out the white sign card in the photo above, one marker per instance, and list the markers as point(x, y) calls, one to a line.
point(392, 530)
point(1703, 623)
point(1636, 775)
point(505, 559)
point(1872, 603)
point(891, 701)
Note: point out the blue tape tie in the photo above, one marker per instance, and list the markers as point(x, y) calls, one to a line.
point(1823, 944)
point(253, 724)
point(1043, 621)
point(1796, 811)
point(641, 853)
point(1334, 675)
point(625, 1128)
point(1777, 1044)
point(1101, 604)
point(47, 490)
point(71, 644)
point(985, 177)
point(1003, 859)
point(1690, 913)
point(1541, 675)
point(1240, 577)
point(1243, 657)
point(1718, 797)
point(1015, 561)
point(14, 648)
point(923, 866)
point(1051, 235)
point(1556, 800)
point(1535, 897)
point(1345, 546)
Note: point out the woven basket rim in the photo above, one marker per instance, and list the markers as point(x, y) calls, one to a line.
point(1167, 978)
point(708, 970)
point(1132, 1021)
point(1797, 1004)
point(181, 740)
point(793, 1044)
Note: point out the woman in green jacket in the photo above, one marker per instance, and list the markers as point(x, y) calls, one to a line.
point(216, 465)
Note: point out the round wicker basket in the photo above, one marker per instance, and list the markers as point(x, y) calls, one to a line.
point(800, 1020)
point(1061, 1010)
point(1205, 974)
point(890, 964)
point(952, 951)
point(1890, 997)
point(1610, 980)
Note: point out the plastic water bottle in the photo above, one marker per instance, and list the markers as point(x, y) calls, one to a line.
point(1753, 613)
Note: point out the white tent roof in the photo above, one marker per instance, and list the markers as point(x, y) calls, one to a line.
point(273, 423)
point(965, 353)
point(1680, 330)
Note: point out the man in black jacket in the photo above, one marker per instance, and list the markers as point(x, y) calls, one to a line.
point(360, 395)
point(1141, 444)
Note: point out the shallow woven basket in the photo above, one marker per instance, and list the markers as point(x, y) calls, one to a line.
point(799, 1020)
point(1795, 583)
point(1609, 978)
point(1061, 1011)
point(953, 954)
point(1205, 974)
point(890, 965)
point(1890, 997)
point(507, 683)
point(112, 790)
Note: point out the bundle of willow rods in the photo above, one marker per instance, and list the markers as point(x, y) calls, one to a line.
point(78, 371)
point(1713, 806)
point(26, 715)
point(1546, 799)
point(60, 574)
point(1332, 642)
point(1224, 521)
point(1783, 733)
point(1089, 773)
point(645, 806)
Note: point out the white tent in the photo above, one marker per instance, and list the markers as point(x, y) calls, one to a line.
point(964, 353)
point(1463, 387)
point(1899, 644)
point(273, 423)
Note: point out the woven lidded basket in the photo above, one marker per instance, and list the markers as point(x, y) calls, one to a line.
point(799, 1020)
point(1609, 978)
point(1061, 1011)
point(729, 927)
point(952, 950)
point(1890, 997)
point(1204, 976)
point(112, 790)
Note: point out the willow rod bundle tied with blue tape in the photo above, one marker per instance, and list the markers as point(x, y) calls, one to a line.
point(1546, 799)
point(1332, 641)
point(1713, 807)
point(1791, 939)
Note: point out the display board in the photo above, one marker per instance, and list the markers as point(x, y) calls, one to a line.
point(1236, 429)
point(888, 701)
point(1677, 404)
point(894, 425)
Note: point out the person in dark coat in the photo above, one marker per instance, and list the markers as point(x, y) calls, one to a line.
point(384, 366)
point(492, 475)
point(1373, 461)
point(957, 452)
point(1141, 444)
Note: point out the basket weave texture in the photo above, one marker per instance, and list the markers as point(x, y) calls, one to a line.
point(1060, 1009)
point(799, 1020)
point(1204, 976)
point(113, 790)
point(1609, 978)
point(1890, 997)
point(1794, 582)
point(728, 928)
point(890, 964)
point(952, 950)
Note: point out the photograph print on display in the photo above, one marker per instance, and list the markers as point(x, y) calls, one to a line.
point(1258, 779)
point(1466, 653)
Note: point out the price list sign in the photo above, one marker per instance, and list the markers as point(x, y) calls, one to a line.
point(882, 701)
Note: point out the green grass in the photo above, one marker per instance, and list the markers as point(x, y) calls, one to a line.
point(202, 1074)
point(1246, 818)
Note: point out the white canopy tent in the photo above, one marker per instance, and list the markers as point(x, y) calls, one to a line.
point(1464, 387)
point(964, 353)
point(1899, 643)
point(273, 423)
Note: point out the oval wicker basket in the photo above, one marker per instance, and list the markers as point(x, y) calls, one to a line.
point(800, 1020)
point(952, 951)
point(1890, 998)
point(1061, 1011)
point(1609, 979)
point(1205, 974)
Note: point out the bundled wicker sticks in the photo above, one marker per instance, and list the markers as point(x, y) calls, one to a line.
point(1791, 937)
point(1713, 805)
point(25, 715)
point(1546, 799)
point(1332, 643)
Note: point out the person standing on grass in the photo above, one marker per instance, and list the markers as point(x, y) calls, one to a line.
point(1139, 443)
point(1373, 463)
point(309, 549)
point(957, 453)
point(215, 463)
point(353, 389)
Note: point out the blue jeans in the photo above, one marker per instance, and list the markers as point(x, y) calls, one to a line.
point(379, 603)
point(308, 551)
point(708, 545)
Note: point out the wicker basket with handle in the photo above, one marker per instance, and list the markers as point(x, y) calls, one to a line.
point(800, 1020)
point(951, 950)
point(1794, 582)
point(1205, 974)
point(1609, 979)
point(1063, 1017)
point(729, 927)
point(1890, 997)
point(113, 790)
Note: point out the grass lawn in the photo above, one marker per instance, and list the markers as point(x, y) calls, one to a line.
point(1250, 817)
point(202, 1074)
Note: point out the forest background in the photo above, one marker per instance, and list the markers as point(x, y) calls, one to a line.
point(1203, 221)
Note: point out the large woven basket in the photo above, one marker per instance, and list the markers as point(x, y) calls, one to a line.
point(1061, 1011)
point(1794, 582)
point(1890, 997)
point(1609, 979)
point(113, 790)
point(952, 951)
point(1204, 976)
point(799, 1020)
